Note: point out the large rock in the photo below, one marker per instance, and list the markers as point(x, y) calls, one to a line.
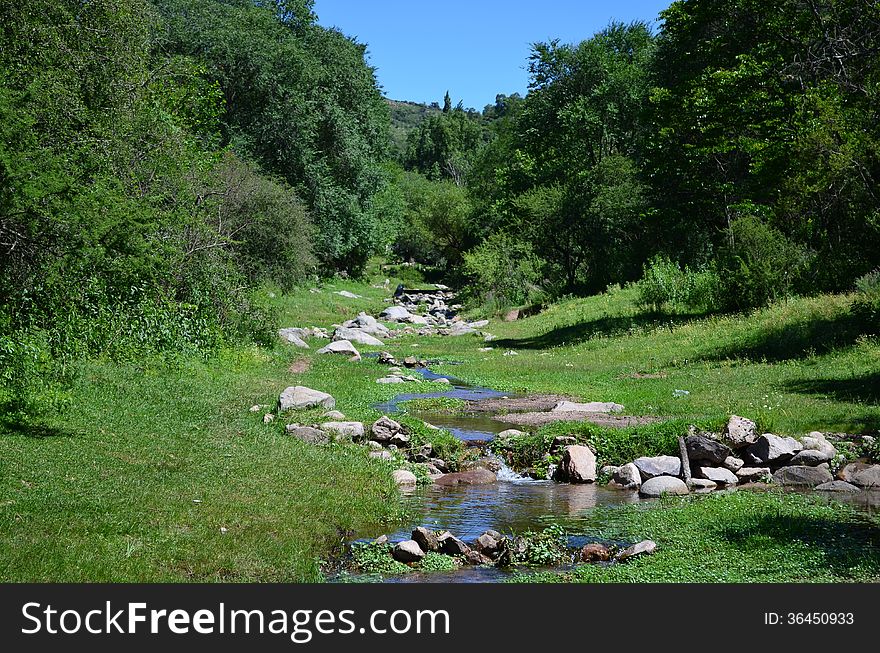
point(719, 475)
point(703, 449)
point(385, 428)
point(578, 465)
point(848, 472)
point(490, 543)
point(627, 476)
point(587, 407)
point(733, 463)
point(343, 347)
point(701, 484)
point(740, 432)
point(836, 486)
point(308, 434)
point(407, 551)
point(867, 478)
point(300, 397)
point(802, 476)
point(426, 539)
point(645, 547)
point(649, 467)
point(451, 545)
point(352, 430)
point(293, 336)
point(772, 449)
point(395, 314)
point(476, 476)
point(404, 477)
point(752, 474)
point(816, 441)
point(810, 457)
point(595, 552)
point(659, 485)
point(356, 335)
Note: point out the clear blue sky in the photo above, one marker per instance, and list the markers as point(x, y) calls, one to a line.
point(474, 48)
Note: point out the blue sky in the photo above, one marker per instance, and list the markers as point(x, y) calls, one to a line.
point(474, 48)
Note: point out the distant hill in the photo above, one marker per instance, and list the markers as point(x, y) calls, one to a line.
point(406, 116)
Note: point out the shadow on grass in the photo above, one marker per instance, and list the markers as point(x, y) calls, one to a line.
point(31, 430)
point(601, 327)
point(845, 543)
point(857, 389)
point(795, 340)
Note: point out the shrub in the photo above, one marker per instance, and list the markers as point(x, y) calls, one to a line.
point(665, 286)
point(505, 272)
point(759, 264)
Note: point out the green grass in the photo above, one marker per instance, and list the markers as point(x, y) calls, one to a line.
point(739, 537)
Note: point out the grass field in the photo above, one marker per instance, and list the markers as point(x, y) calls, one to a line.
point(157, 471)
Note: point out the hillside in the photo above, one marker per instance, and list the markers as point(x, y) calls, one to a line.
point(406, 116)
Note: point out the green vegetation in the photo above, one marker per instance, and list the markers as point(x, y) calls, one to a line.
point(739, 537)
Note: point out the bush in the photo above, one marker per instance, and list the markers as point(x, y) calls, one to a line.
point(759, 264)
point(505, 272)
point(866, 306)
point(667, 287)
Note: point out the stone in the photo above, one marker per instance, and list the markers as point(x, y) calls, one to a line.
point(867, 478)
point(479, 324)
point(645, 547)
point(384, 428)
point(595, 552)
point(353, 430)
point(451, 545)
point(390, 379)
point(346, 293)
point(703, 449)
point(849, 471)
point(701, 484)
point(400, 439)
point(426, 539)
point(608, 470)
point(627, 476)
point(740, 432)
point(773, 449)
point(308, 434)
point(810, 457)
point(372, 444)
point(477, 558)
point(395, 314)
point(294, 337)
point(440, 464)
point(719, 475)
point(588, 407)
point(561, 441)
point(489, 543)
point(733, 463)
point(659, 485)
point(299, 397)
point(268, 417)
point(578, 465)
point(410, 361)
point(343, 347)
point(404, 477)
point(510, 433)
point(407, 551)
point(836, 486)
point(382, 539)
point(753, 474)
point(816, 441)
point(802, 476)
point(649, 467)
point(381, 455)
point(476, 476)
point(334, 414)
point(386, 358)
point(356, 335)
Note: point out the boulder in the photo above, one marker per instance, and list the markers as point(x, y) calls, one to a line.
point(293, 336)
point(407, 551)
point(509, 433)
point(404, 477)
point(867, 478)
point(595, 552)
point(476, 476)
point(802, 476)
point(479, 324)
point(701, 484)
point(588, 407)
point(816, 441)
point(359, 336)
point(645, 547)
point(578, 465)
point(772, 449)
point(561, 441)
point(299, 397)
point(352, 430)
point(490, 543)
point(426, 539)
point(477, 558)
point(810, 457)
point(752, 474)
point(649, 467)
point(385, 428)
point(395, 314)
point(733, 463)
point(719, 475)
point(451, 545)
point(836, 486)
point(627, 476)
point(849, 471)
point(385, 358)
point(341, 347)
point(390, 379)
point(703, 449)
point(364, 320)
point(308, 434)
point(659, 485)
point(334, 414)
point(381, 455)
point(740, 432)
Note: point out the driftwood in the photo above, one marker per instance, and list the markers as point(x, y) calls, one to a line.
point(685, 462)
